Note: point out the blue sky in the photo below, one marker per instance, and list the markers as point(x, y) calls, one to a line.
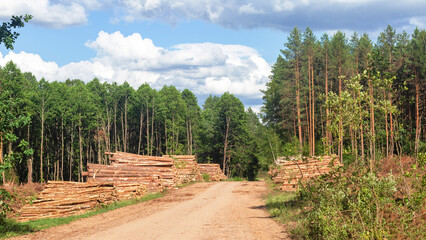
point(207, 46)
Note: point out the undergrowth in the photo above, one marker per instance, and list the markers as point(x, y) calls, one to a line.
point(10, 228)
point(355, 203)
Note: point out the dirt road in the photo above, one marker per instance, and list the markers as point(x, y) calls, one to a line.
point(224, 210)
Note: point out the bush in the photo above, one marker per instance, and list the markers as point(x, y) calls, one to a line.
point(206, 177)
point(358, 204)
point(5, 198)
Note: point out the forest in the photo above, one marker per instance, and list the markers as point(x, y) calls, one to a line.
point(334, 94)
point(51, 130)
point(365, 102)
point(349, 95)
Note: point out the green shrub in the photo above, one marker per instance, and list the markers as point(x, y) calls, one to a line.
point(358, 205)
point(206, 177)
point(5, 198)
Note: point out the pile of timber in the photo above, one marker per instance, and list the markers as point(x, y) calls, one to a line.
point(289, 171)
point(213, 170)
point(60, 199)
point(163, 167)
point(155, 173)
point(130, 181)
point(186, 168)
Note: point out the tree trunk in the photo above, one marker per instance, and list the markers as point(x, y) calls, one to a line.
point(80, 168)
point(173, 134)
point(190, 136)
point(165, 133)
point(309, 108)
point(123, 134)
point(152, 127)
point(373, 136)
point(327, 132)
point(42, 141)
point(340, 151)
point(107, 131)
point(187, 136)
point(225, 146)
point(62, 149)
point(313, 109)
point(1, 157)
point(126, 140)
point(115, 127)
point(71, 151)
point(140, 132)
point(299, 121)
point(99, 143)
point(361, 130)
point(147, 129)
point(418, 126)
point(30, 160)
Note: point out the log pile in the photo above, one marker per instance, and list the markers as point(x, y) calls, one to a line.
point(60, 199)
point(130, 181)
point(152, 166)
point(287, 173)
point(213, 170)
point(186, 168)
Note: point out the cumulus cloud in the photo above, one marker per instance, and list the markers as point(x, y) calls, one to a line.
point(205, 68)
point(45, 12)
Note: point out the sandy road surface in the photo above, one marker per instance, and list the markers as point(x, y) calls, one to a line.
point(225, 210)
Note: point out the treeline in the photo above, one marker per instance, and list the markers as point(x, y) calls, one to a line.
point(51, 130)
point(350, 96)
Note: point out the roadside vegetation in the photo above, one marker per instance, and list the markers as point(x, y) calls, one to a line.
point(354, 203)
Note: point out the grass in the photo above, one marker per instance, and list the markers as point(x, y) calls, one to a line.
point(283, 206)
point(10, 228)
point(234, 179)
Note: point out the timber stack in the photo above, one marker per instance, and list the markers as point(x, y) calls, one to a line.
point(153, 167)
point(130, 181)
point(60, 199)
point(288, 171)
point(186, 168)
point(213, 170)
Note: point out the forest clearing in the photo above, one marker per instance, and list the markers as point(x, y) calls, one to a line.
point(337, 150)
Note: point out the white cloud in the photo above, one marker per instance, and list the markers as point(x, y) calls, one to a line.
point(45, 13)
point(29, 62)
point(362, 15)
point(249, 9)
point(321, 15)
point(418, 22)
point(205, 68)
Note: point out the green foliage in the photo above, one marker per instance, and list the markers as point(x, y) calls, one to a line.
point(229, 134)
point(283, 206)
point(5, 198)
point(356, 205)
point(206, 177)
point(7, 35)
point(395, 65)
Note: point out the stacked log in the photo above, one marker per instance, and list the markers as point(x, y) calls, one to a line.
point(60, 199)
point(186, 168)
point(288, 173)
point(130, 181)
point(213, 170)
point(161, 167)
